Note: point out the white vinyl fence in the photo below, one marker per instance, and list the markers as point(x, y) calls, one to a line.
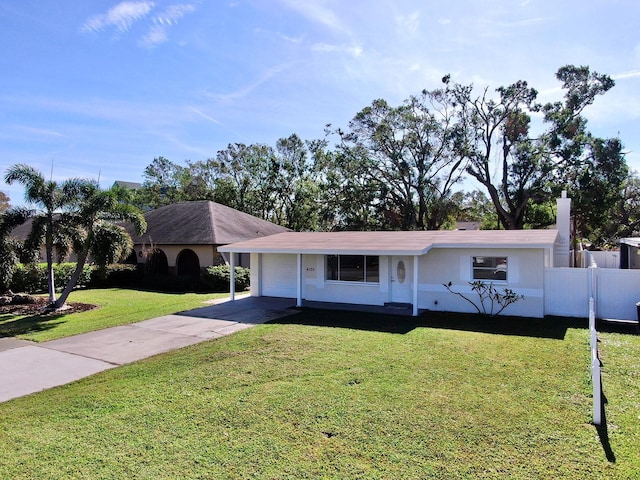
point(567, 292)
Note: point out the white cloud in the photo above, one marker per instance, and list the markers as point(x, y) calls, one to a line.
point(354, 50)
point(156, 35)
point(173, 13)
point(623, 76)
point(317, 13)
point(246, 90)
point(205, 116)
point(125, 14)
point(121, 17)
point(409, 23)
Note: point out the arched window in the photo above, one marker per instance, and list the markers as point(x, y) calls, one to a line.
point(132, 259)
point(157, 262)
point(188, 264)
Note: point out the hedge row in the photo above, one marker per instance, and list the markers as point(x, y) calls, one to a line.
point(34, 278)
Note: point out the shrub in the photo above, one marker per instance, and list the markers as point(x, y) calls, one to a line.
point(33, 278)
point(217, 278)
point(490, 297)
point(115, 275)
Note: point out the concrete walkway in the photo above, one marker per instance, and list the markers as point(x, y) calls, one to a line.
point(28, 367)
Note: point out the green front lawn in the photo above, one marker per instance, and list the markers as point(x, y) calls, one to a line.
point(463, 399)
point(115, 307)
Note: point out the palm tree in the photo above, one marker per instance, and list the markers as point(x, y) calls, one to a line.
point(88, 223)
point(49, 197)
point(8, 221)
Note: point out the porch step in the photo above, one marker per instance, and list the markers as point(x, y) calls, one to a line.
point(398, 306)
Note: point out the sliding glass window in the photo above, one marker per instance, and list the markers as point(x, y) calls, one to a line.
point(353, 268)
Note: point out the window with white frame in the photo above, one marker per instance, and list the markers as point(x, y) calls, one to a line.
point(353, 268)
point(489, 268)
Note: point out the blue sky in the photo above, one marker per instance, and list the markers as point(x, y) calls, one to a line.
point(102, 87)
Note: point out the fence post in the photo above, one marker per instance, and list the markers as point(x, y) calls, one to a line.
point(597, 392)
point(596, 378)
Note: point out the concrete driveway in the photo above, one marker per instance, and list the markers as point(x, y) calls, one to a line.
point(28, 367)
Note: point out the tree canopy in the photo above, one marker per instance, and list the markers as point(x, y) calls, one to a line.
point(403, 166)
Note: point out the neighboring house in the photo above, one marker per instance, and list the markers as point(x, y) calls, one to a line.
point(377, 268)
point(21, 233)
point(183, 237)
point(630, 253)
point(468, 225)
point(129, 185)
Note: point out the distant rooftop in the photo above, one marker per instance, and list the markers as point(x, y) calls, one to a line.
point(130, 185)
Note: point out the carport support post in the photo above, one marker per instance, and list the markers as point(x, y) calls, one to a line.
point(299, 281)
point(232, 276)
point(416, 263)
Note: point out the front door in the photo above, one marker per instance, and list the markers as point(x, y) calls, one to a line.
point(402, 279)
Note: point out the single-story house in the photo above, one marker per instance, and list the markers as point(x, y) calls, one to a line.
point(377, 268)
point(183, 237)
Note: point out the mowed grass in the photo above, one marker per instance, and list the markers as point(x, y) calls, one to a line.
point(306, 400)
point(115, 307)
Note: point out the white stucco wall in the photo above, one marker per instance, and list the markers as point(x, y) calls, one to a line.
point(276, 275)
point(441, 266)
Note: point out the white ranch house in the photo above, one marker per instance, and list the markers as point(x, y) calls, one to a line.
point(380, 268)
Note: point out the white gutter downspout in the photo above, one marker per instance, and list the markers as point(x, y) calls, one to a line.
point(416, 264)
point(232, 276)
point(299, 282)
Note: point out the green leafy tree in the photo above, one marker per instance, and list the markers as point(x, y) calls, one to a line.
point(350, 198)
point(498, 139)
point(9, 219)
point(161, 184)
point(277, 184)
point(242, 178)
point(89, 225)
point(49, 197)
point(623, 219)
point(475, 206)
point(596, 186)
point(413, 151)
point(499, 129)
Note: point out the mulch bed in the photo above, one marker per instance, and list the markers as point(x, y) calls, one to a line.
point(37, 308)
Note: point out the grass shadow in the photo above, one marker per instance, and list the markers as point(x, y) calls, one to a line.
point(628, 328)
point(548, 327)
point(11, 326)
point(603, 432)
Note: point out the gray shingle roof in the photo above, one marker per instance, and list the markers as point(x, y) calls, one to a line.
point(393, 243)
point(201, 223)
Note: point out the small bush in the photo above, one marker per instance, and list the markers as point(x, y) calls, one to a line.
point(217, 278)
point(115, 275)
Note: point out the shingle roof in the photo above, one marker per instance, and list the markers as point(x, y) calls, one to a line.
point(201, 223)
point(393, 243)
point(125, 184)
